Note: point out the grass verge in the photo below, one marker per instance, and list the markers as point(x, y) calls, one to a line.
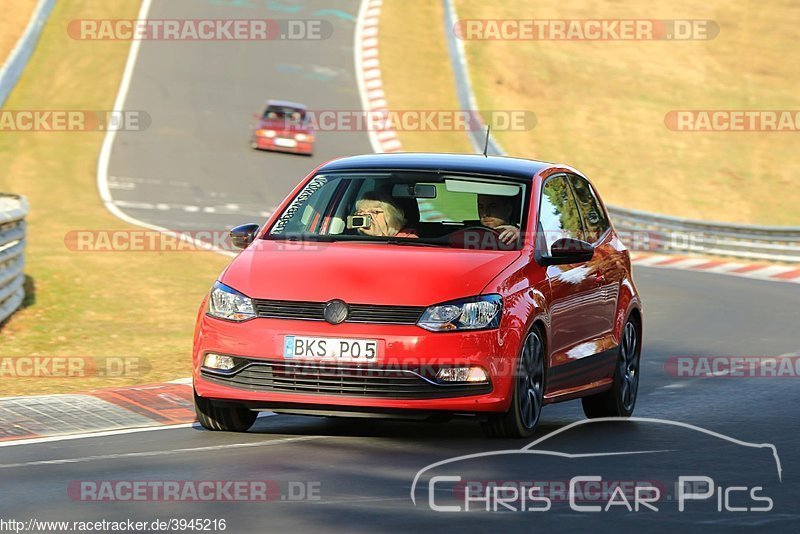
point(601, 105)
point(415, 70)
point(16, 15)
point(93, 304)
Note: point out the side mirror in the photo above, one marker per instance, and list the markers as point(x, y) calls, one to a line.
point(243, 235)
point(568, 250)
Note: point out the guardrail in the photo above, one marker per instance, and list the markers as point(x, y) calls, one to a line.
point(13, 209)
point(12, 68)
point(662, 233)
point(642, 230)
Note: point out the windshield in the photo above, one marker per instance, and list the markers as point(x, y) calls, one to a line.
point(283, 113)
point(425, 209)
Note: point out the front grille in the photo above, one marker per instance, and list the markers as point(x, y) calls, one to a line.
point(326, 379)
point(359, 313)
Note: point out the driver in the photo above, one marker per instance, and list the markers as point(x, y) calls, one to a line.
point(387, 219)
point(495, 213)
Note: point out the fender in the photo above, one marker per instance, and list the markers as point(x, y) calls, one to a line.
point(627, 302)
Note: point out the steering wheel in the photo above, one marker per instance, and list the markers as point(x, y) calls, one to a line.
point(479, 227)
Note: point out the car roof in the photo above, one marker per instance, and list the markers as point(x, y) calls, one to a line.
point(285, 104)
point(457, 163)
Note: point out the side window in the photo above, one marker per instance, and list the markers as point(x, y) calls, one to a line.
point(594, 218)
point(558, 212)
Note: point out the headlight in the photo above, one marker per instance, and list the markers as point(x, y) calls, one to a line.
point(227, 303)
point(265, 133)
point(475, 313)
point(300, 137)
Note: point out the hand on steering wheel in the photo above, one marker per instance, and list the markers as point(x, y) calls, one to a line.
point(508, 233)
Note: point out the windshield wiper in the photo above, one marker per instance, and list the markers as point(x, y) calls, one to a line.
point(412, 242)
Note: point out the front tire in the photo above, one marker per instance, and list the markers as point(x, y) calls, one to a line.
point(620, 400)
point(526, 404)
point(225, 418)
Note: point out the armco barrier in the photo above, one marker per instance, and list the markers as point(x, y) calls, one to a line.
point(13, 209)
point(12, 68)
point(651, 231)
point(663, 233)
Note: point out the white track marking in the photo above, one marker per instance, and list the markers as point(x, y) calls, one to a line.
point(126, 186)
point(725, 268)
point(650, 260)
point(770, 271)
point(688, 263)
point(108, 143)
point(149, 181)
point(182, 381)
point(145, 454)
point(70, 437)
point(117, 432)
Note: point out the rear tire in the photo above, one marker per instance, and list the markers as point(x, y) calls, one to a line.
point(526, 403)
point(620, 400)
point(225, 418)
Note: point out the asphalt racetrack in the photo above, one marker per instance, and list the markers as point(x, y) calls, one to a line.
point(194, 169)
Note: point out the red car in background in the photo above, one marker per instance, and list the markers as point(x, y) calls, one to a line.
point(508, 289)
point(283, 127)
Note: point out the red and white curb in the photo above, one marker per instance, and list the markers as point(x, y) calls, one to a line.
point(103, 410)
point(368, 74)
point(761, 271)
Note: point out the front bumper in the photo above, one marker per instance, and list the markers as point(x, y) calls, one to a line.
point(403, 378)
point(267, 143)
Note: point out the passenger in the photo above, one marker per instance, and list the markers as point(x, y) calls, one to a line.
point(387, 219)
point(495, 213)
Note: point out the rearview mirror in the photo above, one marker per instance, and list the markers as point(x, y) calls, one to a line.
point(568, 250)
point(243, 235)
point(414, 191)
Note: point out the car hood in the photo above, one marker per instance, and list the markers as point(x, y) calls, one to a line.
point(362, 273)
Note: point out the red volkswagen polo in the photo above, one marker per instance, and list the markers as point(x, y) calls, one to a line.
point(424, 285)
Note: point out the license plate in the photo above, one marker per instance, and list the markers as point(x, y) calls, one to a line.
point(288, 143)
point(330, 349)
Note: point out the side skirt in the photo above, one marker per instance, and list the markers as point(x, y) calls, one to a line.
point(586, 376)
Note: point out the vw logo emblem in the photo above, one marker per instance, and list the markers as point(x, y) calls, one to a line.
point(336, 312)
